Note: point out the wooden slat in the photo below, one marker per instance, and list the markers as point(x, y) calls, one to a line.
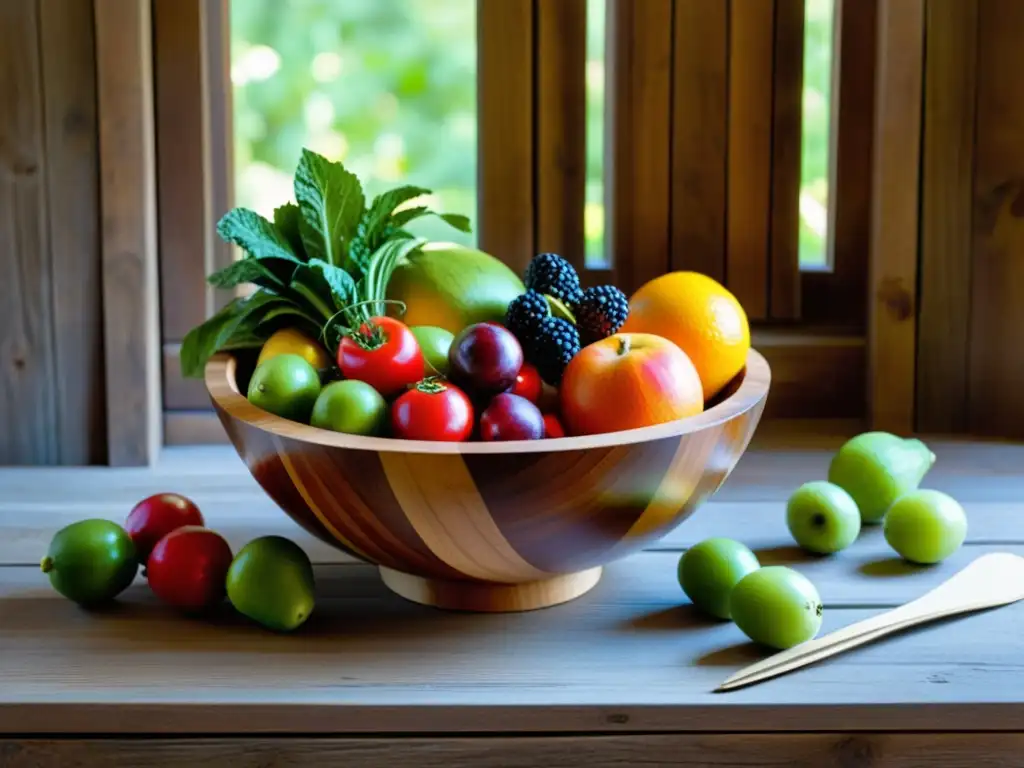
point(946, 207)
point(218, 98)
point(638, 139)
point(814, 376)
point(579, 751)
point(72, 180)
point(787, 116)
point(180, 393)
point(894, 231)
point(127, 194)
point(700, 88)
point(997, 311)
point(28, 382)
point(751, 41)
point(505, 75)
point(561, 118)
point(839, 296)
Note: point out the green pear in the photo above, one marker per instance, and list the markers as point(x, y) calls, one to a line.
point(271, 582)
point(876, 468)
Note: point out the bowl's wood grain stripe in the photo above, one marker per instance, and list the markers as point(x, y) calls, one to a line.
point(441, 500)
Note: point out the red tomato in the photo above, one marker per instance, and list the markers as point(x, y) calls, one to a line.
point(383, 353)
point(528, 384)
point(433, 410)
point(188, 568)
point(552, 426)
point(156, 516)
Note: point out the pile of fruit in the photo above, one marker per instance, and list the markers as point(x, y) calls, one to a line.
point(187, 565)
point(873, 478)
point(366, 330)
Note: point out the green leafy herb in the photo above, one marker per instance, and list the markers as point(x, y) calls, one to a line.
point(254, 234)
point(331, 202)
point(238, 319)
point(244, 271)
point(286, 220)
point(342, 287)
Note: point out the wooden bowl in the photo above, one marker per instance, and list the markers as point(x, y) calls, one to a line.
point(491, 526)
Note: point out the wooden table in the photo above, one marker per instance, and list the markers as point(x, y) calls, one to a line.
point(621, 677)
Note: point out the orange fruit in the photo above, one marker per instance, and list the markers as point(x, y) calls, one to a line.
point(289, 341)
point(701, 316)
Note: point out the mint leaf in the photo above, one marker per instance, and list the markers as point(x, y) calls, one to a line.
point(402, 218)
point(254, 234)
point(238, 318)
point(458, 221)
point(246, 271)
point(340, 283)
point(384, 205)
point(331, 202)
point(286, 219)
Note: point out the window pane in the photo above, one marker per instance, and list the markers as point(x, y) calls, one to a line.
point(593, 218)
point(816, 113)
point(388, 87)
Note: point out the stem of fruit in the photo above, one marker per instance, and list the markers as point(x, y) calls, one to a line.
point(46, 564)
point(431, 385)
point(623, 345)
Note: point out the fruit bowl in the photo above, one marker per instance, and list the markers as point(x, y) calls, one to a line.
point(501, 526)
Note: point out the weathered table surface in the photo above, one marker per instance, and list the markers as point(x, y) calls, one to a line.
point(621, 676)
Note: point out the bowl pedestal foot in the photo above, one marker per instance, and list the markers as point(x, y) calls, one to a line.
point(494, 598)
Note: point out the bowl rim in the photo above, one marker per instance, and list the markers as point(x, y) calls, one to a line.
point(220, 373)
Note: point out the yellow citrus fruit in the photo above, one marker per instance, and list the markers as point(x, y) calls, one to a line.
point(289, 341)
point(701, 316)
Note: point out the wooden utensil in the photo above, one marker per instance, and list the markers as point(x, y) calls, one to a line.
point(987, 582)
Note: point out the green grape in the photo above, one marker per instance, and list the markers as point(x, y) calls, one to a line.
point(822, 517)
point(709, 570)
point(925, 526)
point(776, 606)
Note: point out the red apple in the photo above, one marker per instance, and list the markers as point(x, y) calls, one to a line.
point(627, 381)
point(484, 359)
point(156, 516)
point(188, 568)
point(511, 417)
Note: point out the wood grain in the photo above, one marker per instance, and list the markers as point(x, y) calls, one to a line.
point(506, 213)
point(129, 251)
point(892, 326)
point(28, 383)
point(751, 44)
point(787, 118)
point(700, 88)
point(879, 750)
point(638, 103)
point(946, 215)
point(498, 514)
point(561, 117)
point(838, 296)
point(997, 278)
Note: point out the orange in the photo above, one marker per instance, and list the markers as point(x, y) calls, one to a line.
point(289, 341)
point(701, 316)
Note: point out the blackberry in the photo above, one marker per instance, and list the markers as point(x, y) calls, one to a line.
point(557, 343)
point(551, 274)
point(524, 315)
point(601, 312)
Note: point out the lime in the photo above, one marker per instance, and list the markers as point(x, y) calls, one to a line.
point(350, 406)
point(285, 385)
point(709, 570)
point(776, 606)
point(271, 582)
point(434, 344)
point(925, 526)
point(822, 517)
point(91, 561)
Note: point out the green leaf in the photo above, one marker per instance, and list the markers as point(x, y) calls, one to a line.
point(342, 286)
point(254, 234)
point(383, 206)
point(245, 271)
point(331, 202)
point(286, 219)
point(239, 318)
point(458, 221)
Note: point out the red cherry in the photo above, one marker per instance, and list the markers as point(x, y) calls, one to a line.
point(188, 568)
point(528, 383)
point(552, 426)
point(156, 516)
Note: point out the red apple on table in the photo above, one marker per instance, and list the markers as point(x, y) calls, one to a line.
point(188, 568)
point(627, 381)
point(156, 516)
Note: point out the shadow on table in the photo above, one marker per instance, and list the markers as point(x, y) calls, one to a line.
point(889, 566)
point(673, 617)
point(784, 555)
point(737, 655)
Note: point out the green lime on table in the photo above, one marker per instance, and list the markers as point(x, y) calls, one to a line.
point(708, 571)
point(350, 406)
point(822, 517)
point(876, 468)
point(925, 526)
point(91, 561)
point(777, 607)
point(434, 344)
point(271, 581)
point(285, 385)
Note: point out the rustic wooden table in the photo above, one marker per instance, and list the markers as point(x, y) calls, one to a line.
point(622, 676)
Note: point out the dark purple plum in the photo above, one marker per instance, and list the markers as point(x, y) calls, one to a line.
point(485, 359)
point(511, 417)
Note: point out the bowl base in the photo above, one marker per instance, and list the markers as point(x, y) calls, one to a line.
point(478, 596)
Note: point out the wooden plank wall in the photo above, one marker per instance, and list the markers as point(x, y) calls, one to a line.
point(51, 374)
